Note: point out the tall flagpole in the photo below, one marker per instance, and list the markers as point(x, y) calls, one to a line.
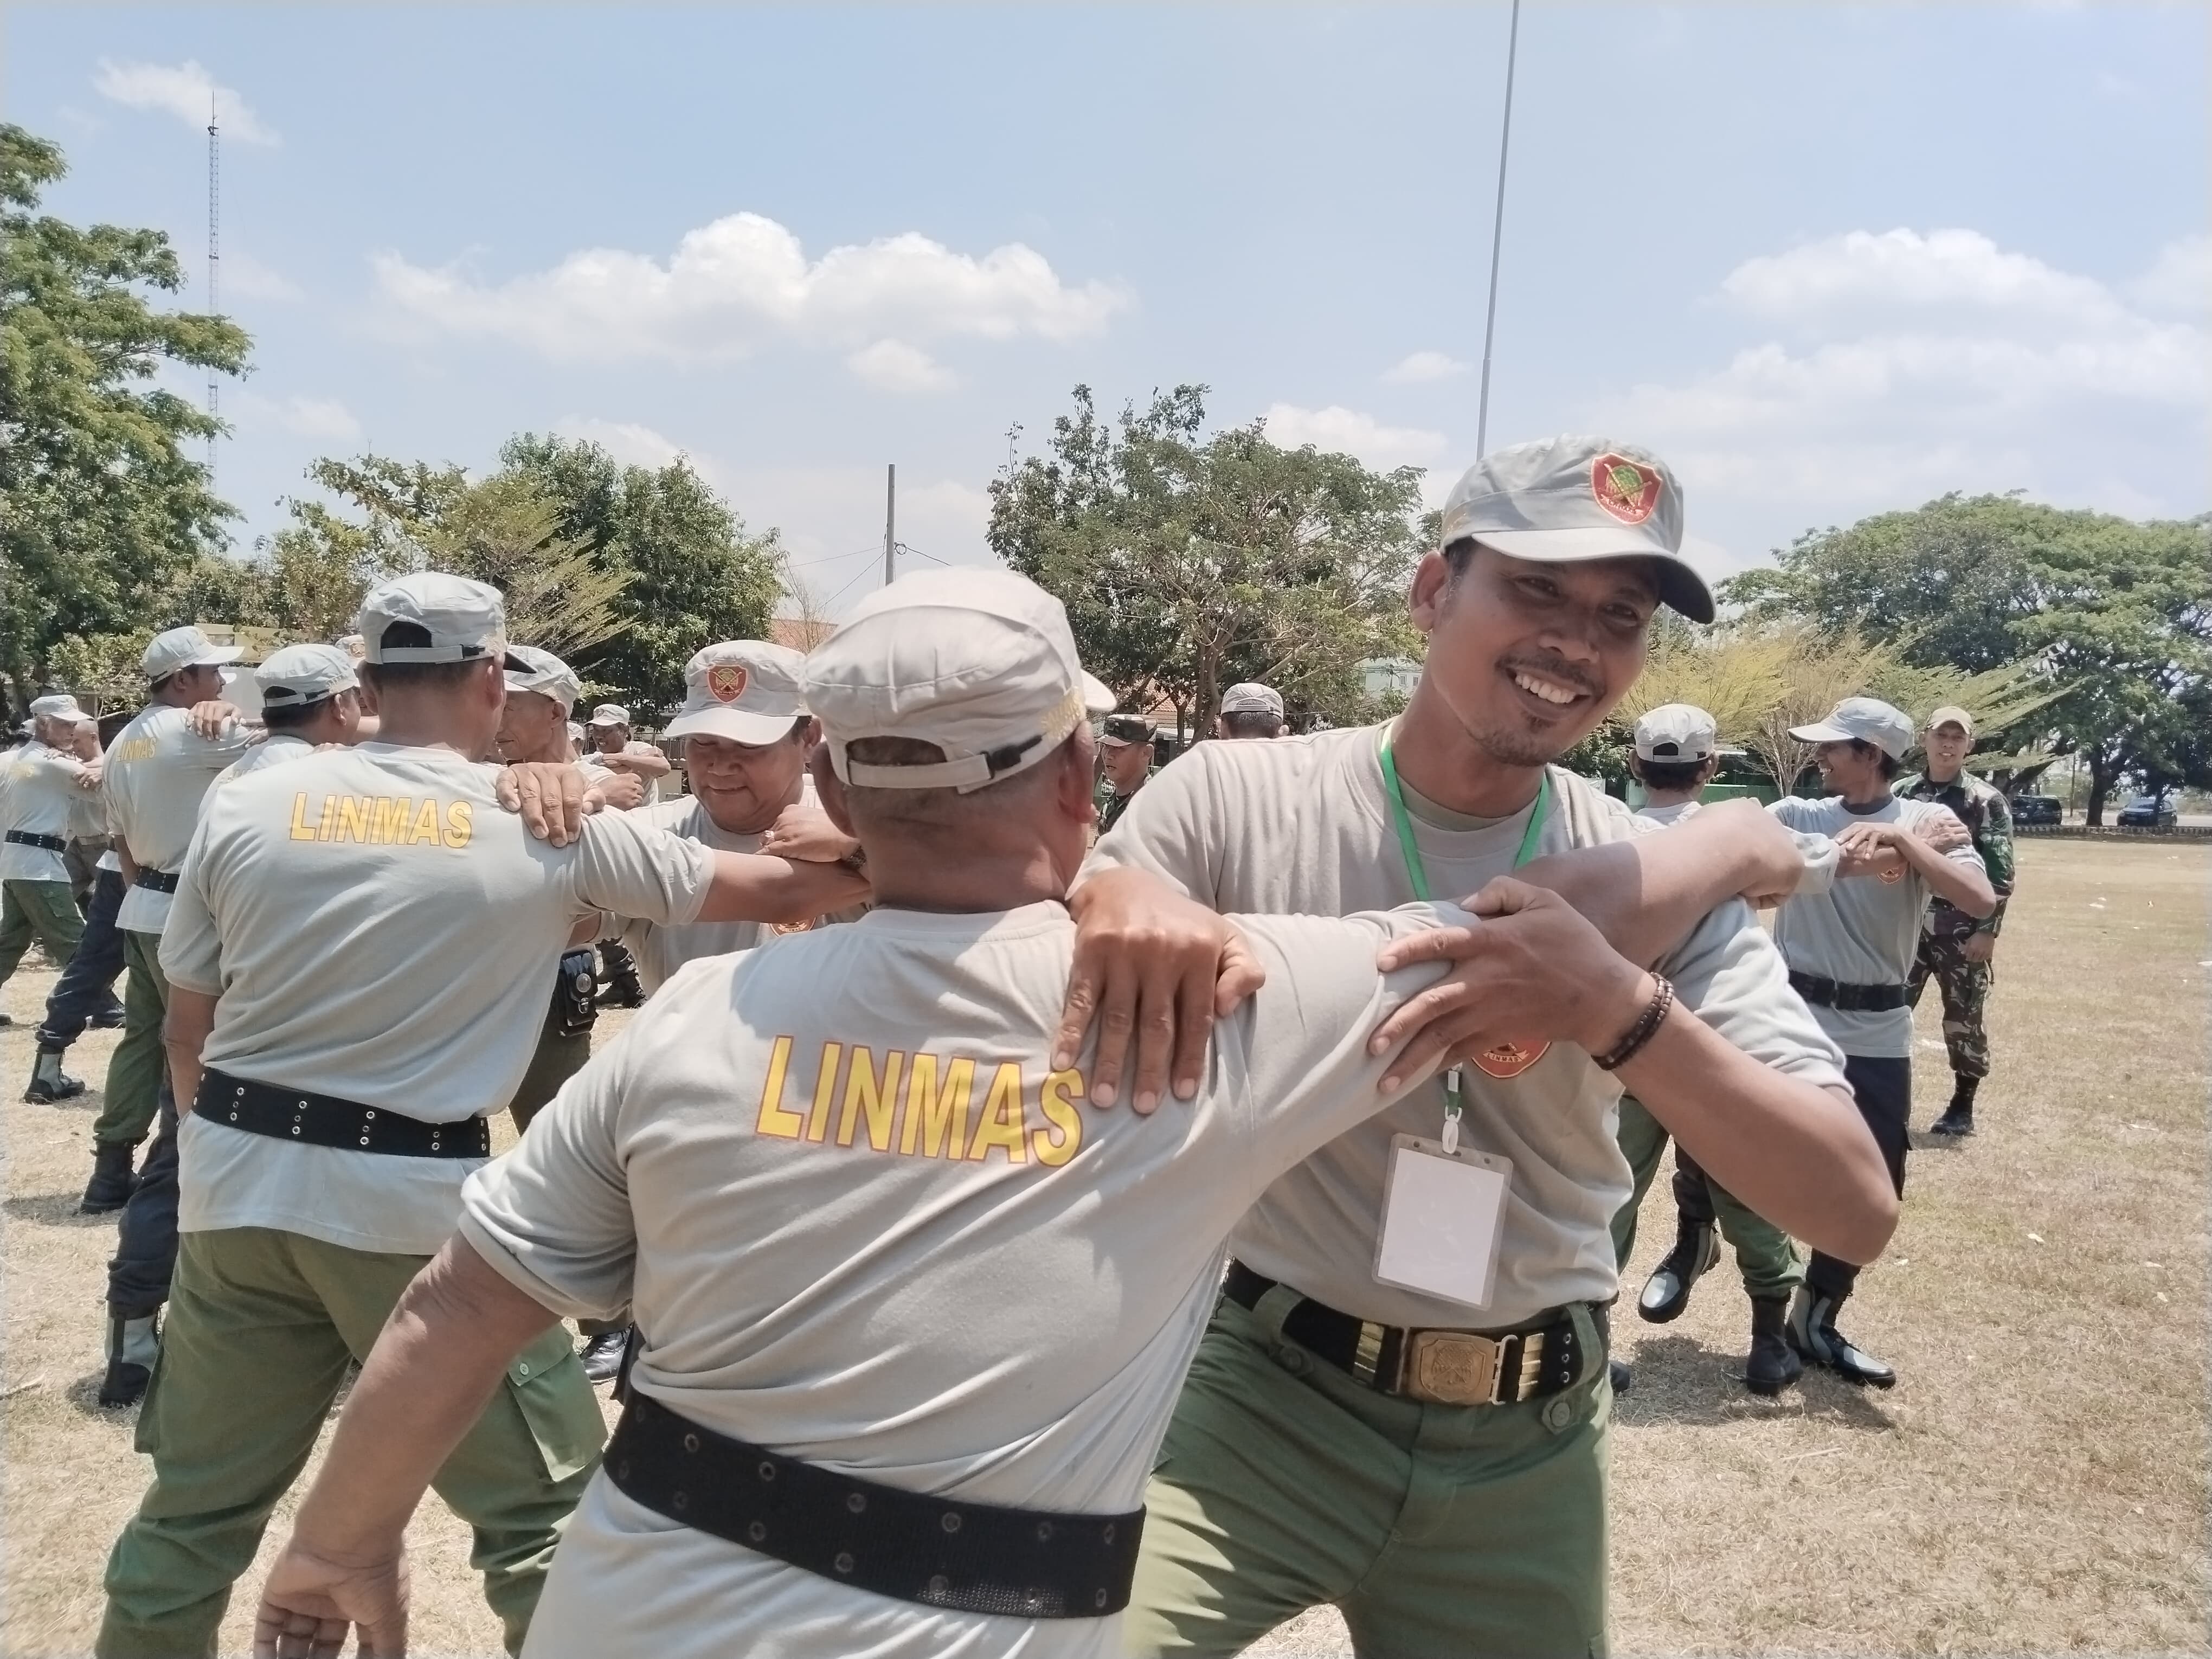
point(1497, 231)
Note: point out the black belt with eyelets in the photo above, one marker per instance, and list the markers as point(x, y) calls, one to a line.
point(158, 881)
point(1445, 1368)
point(912, 1546)
point(31, 838)
point(313, 1120)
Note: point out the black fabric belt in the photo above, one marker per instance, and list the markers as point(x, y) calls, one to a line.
point(1848, 999)
point(27, 838)
point(914, 1546)
point(312, 1120)
point(161, 881)
point(1450, 1368)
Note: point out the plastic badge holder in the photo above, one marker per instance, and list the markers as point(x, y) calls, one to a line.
point(1444, 1216)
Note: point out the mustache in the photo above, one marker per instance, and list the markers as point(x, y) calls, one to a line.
point(1555, 668)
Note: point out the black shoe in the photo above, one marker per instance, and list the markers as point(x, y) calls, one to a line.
point(1958, 1120)
point(1773, 1365)
point(619, 978)
point(1618, 1373)
point(132, 1345)
point(108, 1019)
point(112, 1181)
point(1667, 1293)
point(49, 1083)
point(603, 1355)
point(1813, 1334)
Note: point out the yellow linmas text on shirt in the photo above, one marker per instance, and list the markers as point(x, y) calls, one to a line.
point(925, 1105)
point(384, 821)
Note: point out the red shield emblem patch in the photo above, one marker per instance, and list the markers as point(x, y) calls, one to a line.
point(1627, 489)
point(792, 927)
point(1891, 877)
point(725, 682)
point(1510, 1059)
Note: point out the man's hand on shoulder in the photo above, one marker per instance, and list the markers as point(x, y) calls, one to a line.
point(803, 832)
point(211, 719)
point(552, 796)
point(1942, 829)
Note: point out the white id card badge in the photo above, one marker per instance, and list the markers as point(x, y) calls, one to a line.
point(1443, 1215)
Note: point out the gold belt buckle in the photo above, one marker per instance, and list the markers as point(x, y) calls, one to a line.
point(1460, 1368)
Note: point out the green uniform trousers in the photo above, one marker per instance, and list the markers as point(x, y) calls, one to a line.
point(1437, 1529)
point(1966, 990)
point(261, 1324)
point(134, 1070)
point(1768, 1259)
point(40, 910)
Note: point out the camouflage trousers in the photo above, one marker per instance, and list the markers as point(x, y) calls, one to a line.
point(1966, 990)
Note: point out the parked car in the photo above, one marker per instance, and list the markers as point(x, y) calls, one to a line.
point(2147, 812)
point(2038, 809)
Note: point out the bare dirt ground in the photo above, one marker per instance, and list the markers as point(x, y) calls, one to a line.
point(2036, 1483)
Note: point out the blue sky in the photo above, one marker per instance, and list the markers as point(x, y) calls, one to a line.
point(1826, 261)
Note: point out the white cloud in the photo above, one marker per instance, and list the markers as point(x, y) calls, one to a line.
point(2180, 280)
point(185, 91)
point(244, 278)
point(1339, 430)
point(1424, 366)
point(744, 280)
point(326, 420)
point(631, 442)
point(1897, 269)
point(894, 366)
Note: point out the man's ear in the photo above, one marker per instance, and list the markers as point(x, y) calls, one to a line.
point(829, 790)
point(1072, 790)
point(1432, 581)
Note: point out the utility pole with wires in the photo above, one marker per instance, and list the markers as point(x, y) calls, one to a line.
point(1497, 232)
point(891, 521)
point(214, 260)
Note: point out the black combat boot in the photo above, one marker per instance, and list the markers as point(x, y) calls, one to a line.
point(1958, 1119)
point(1667, 1293)
point(602, 1353)
point(133, 1344)
point(619, 977)
point(1619, 1375)
point(49, 1083)
point(1812, 1332)
point(1774, 1365)
point(112, 1183)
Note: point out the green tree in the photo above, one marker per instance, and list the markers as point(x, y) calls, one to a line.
point(1189, 562)
point(99, 505)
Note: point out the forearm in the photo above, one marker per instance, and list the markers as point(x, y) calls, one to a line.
point(1647, 893)
point(645, 764)
point(185, 1032)
point(1794, 1152)
point(758, 887)
point(445, 1349)
point(1964, 886)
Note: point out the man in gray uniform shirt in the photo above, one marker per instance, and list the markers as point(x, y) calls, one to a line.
point(41, 784)
point(1323, 1451)
point(915, 1418)
point(1851, 953)
point(333, 1118)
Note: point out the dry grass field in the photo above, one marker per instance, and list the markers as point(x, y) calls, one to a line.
point(2036, 1483)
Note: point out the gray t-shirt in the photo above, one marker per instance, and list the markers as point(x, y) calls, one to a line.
point(158, 768)
point(39, 788)
point(1865, 931)
point(661, 950)
point(860, 1220)
point(1303, 825)
point(378, 929)
point(280, 749)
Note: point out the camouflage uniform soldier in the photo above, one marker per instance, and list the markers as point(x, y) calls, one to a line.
point(1954, 948)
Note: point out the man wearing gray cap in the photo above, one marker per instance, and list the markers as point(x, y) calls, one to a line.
point(333, 1118)
point(1345, 1438)
point(917, 1420)
point(1250, 710)
point(1850, 951)
point(1956, 950)
point(41, 784)
point(157, 770)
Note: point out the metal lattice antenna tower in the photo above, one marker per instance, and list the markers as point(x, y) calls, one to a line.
point(214, 260)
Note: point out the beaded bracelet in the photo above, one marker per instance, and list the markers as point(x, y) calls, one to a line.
point(1655, 1015)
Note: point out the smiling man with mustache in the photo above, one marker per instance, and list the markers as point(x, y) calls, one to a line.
point(1437, 1467)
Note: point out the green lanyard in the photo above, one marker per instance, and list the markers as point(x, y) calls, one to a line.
point(1419, 876)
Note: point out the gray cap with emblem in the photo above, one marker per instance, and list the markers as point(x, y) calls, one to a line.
point(1569, 499)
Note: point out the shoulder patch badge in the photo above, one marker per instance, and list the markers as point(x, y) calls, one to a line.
point(725, 682)
point(1625, 489)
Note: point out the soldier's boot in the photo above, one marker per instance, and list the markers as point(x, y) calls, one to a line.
point(112, 1181)
point(1959, 1118)
point(133, 1344)
point(602, 1353)
point(1667, 1293)
point(1812, 1333)
point(1773, 1365)
point(1619, 1375)
point(623, 989)
point(49, 1083)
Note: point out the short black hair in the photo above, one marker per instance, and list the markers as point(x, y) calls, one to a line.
point(1249, 723)
point(430, 676)
point(1890, 765)
point(1667, 775)
point(1458, 554)
point(284, 717)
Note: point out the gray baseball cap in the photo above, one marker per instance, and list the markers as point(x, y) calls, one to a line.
point(58, 707)
point(1869, 720)
point(546, 674)
point(300, 675)
point(609, 714)
point(1676, 732)
point(466, 620)
point(1252, 698)
point(182, 648)
point(746, 690)
point(1571, 499)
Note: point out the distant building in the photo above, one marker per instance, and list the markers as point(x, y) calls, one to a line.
point(1390, 677)
point(798, 632)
